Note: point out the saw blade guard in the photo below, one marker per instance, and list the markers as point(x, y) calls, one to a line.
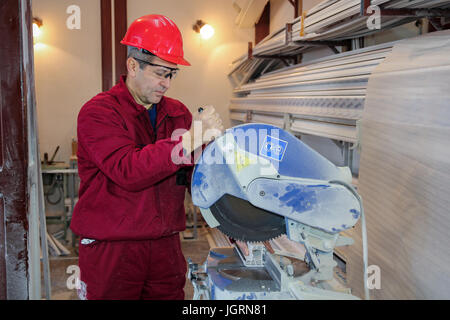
point(252, 160)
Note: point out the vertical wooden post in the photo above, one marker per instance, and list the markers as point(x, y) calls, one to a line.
point(363, 8)
point(295, 9)
point(109, 44)
point(298, 7)
point(106, 21)
point(120, 28)
point(262, 27)
point(17, 93)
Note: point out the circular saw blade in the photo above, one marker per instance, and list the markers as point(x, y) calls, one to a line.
point(240, 220)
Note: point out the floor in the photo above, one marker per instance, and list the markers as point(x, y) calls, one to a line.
point(62, 269)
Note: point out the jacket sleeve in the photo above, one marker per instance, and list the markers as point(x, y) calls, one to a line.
point(195, 157)
point(105, 137)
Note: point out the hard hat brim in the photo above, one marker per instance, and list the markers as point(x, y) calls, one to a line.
point(169, 58)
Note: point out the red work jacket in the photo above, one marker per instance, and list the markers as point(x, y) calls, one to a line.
point(128, 188)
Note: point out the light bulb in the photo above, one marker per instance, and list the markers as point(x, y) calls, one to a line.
point(206, 31)
point(36, 30)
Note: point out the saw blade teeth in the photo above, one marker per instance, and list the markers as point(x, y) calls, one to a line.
point(242, 237)
point(276, 237)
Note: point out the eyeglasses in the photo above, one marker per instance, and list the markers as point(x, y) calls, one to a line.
point(161, 74)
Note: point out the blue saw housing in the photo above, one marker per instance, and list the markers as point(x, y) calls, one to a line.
point(275, 171)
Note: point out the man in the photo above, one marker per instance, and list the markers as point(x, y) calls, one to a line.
point(131, 198)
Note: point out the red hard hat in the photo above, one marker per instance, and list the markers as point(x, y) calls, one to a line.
point(159, 35)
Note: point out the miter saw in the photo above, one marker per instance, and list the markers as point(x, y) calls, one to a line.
point(255, 183)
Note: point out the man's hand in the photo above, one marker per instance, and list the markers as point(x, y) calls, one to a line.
point(206, 126)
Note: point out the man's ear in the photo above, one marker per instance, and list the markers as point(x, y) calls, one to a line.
point(132, 67)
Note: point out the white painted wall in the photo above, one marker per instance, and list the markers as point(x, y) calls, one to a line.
point(68, 62)
point(281, 12)
point(205, 82)
point(67, 70)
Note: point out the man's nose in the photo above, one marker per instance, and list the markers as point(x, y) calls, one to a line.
point(166, 82)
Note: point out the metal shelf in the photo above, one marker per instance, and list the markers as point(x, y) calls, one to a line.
point(334, 23)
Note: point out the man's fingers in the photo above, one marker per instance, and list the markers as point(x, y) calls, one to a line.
point(210, 118)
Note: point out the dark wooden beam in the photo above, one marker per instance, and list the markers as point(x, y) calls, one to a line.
point(250, 50)
point(299, 10)
point(120, 28)
point(106, 32)
point(298, 7)
point(262, 27)
point(3, 280)
point(16, 95)
point(363, 7)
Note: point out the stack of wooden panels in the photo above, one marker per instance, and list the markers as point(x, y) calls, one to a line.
point(404, 175)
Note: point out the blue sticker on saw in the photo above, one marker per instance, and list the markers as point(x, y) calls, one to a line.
point(273, 148)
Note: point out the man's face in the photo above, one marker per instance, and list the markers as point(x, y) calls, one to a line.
point(152, 82)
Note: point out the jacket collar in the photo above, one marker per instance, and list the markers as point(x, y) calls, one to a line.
point(126, 99)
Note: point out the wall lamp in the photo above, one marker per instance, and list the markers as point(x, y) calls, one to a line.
point(37, 24)
point(205, 30)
